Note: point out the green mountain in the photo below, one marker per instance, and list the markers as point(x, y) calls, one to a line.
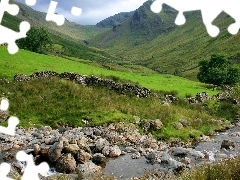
point(69, 38)
point(153, 40)
point(114, 20)
point(67, 30)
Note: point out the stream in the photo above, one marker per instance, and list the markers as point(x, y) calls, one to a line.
point(125, 167)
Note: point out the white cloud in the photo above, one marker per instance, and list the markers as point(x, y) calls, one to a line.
point(93, 11)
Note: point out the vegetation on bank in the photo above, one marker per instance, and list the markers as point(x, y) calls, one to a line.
point(228, 169)
point(56, 102)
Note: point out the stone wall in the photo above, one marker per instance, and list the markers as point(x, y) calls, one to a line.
point(121, 88)
point(124, 88)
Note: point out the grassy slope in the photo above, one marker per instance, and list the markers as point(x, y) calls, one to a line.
point(68, 46)
point(57, 102)
point(68, 30)
point(165, 46)
point(27, 62)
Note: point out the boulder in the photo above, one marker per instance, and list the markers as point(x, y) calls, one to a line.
point(179, 151)
point(178, 125)
point(55, 151)
point(184, 122)
point(71, 148)
point(100, 144)
point(156, 124)
point(83, 144)
point(88, 170)
point(175, 165)
point(145, 125)
point(198, 154)
point(82, 156)
point(98, 158)
point(36, 148)
point(66, 164)
point(111, 151)
point(136, 155)
point(227, 144)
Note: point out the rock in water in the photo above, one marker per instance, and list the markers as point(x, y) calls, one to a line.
point(88, 170)
point(55, 151)
point(66, 164)
point(227, 144)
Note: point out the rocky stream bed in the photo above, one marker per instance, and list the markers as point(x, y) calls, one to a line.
point(116, 150)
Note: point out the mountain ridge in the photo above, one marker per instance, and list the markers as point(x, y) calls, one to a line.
point(153, 40)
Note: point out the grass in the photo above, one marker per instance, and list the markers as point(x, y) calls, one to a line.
point(25, 62)
point(56, 102)
point(225, 170)
point(164, 47)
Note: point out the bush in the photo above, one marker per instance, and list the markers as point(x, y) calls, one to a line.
point(218, 71)
point(37, 40)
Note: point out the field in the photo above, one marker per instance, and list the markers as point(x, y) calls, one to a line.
point(57, 102)
point(25, 62)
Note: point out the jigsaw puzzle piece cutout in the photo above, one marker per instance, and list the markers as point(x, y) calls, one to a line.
point(4, 170)
point(235, 13)
point(9, 36)
point(58, 18)
point(76, 11)
point(209, 9)
point(12, 123)
point(30, 2)
point(4, 104)
point(51, 16)
point(12, 9)
point(208, 17)
point(31, 170)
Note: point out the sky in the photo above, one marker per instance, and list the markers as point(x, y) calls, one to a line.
point(93, 11)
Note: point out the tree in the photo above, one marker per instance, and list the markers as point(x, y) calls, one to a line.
point(218, 71)
point(37, 40)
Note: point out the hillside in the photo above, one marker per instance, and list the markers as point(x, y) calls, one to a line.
point(114, 20)
point(153, 40)
point(68, 46)
point(68, 29)
point(100, 105)
point(25, 62)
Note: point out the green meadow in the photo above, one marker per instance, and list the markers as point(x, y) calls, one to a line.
point(25, 62)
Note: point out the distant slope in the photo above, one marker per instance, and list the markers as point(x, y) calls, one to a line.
point(68, 30)
point(71, 47)
point(114, 20)
point(153, 40)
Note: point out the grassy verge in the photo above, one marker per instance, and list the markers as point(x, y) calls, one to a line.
point(57, 102)
point(225, 170)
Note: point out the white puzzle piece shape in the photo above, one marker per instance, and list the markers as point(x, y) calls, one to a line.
point(31, 171)
point(4, 104)
point(58, 18)
point(12, 123)
point(7, 35)
point(4, 170)
point(210, 9)
point(30, 2)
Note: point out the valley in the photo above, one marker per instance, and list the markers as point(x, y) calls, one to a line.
point(125, 88)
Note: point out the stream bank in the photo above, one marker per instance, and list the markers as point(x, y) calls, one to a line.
point(115, 150)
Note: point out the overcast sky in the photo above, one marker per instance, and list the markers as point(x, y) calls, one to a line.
point(93, 11)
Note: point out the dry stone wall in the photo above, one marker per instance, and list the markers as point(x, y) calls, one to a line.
point(125, 88)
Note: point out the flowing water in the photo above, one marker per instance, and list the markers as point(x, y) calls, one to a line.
point(126, 167)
